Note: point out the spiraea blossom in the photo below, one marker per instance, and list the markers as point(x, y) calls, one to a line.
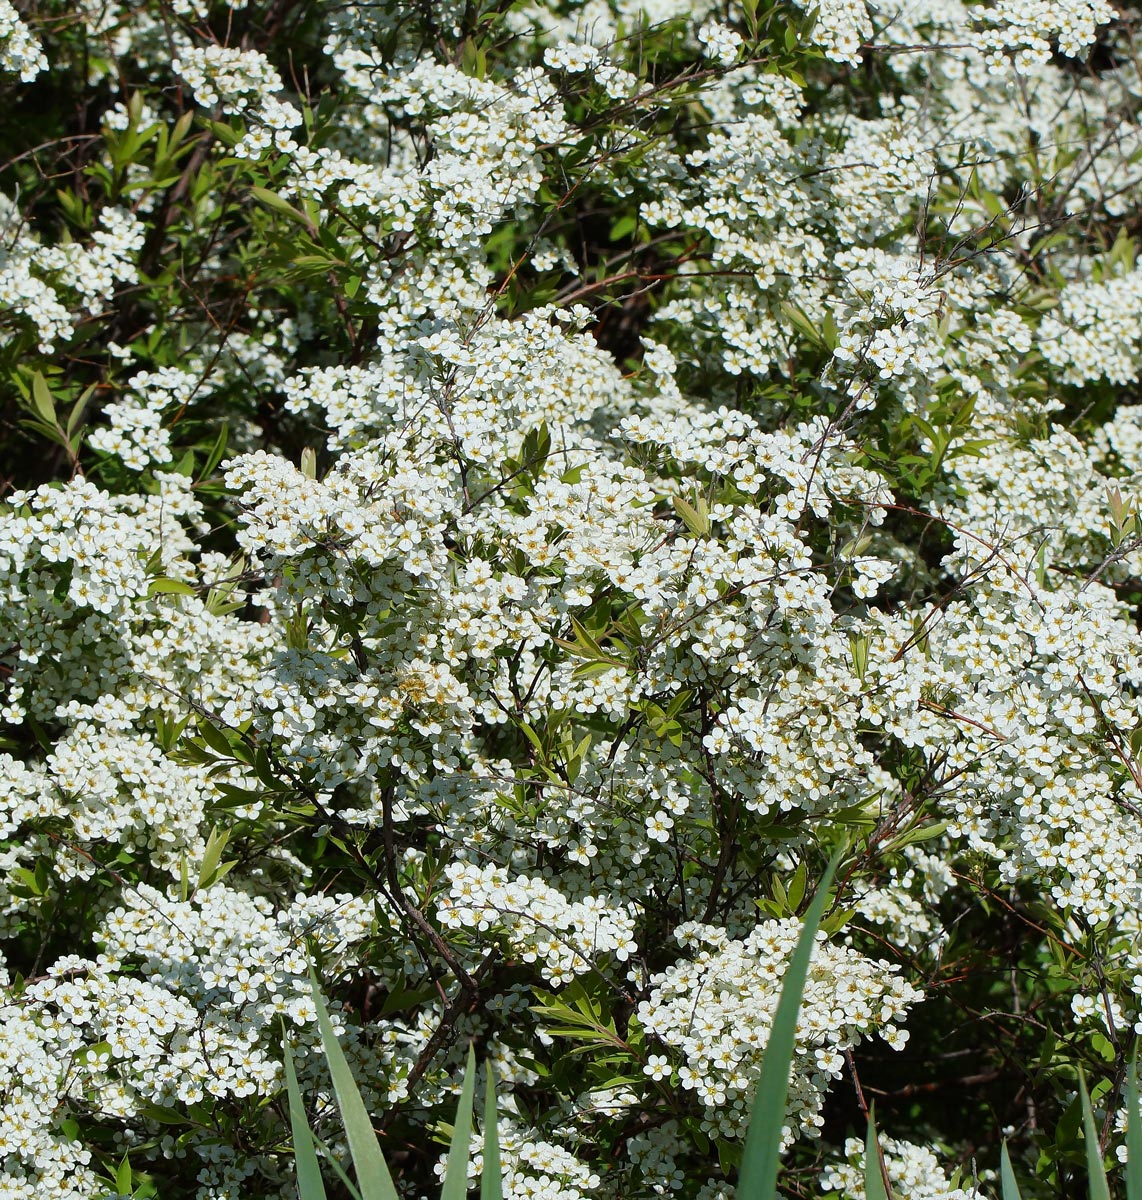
point(493, 498)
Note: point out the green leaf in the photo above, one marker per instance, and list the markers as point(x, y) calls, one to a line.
point(762, 1156)
point(77, 410)
point(210, 871)
point(216, 453)
point(123, 1176)
point(923, 831)
point(373, 1176)
point(491, 1181)
point(338, 1169)
point(801, 321)
point(28, 881)
point(874, 1188)
point(1010, 1189)
point(696, 518)
point(273, 201)
point(42, 399)
point(402, 999)
point(1096, 1173)
point(456, 1172)
point(163, 1116)
point(214, 738)
point(174, 587)
point(309, 1182)
point(1133, 1134)
point(623, 227)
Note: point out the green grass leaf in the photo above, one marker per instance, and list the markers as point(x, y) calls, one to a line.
point(456, 1173)
point(1010, 1189)
point(309, 1183)
point(373, 1176)
point(874, 1188)
point(761, 1158)
point(1097, 1187)
point(491, 1180)
point(1133, 1135)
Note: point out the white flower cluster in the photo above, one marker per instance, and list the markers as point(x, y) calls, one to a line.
point(890, 330)
point(913, 1171)
point(20, 53)
point(1096, 332)
point(36, 1157)
point(905, 904)
point(720, 43)
point(240, 82)
point(565, 938)
point(1028, 30)
point(198, 1021)
point(717, 1009)
point(134, 431)
point(843, 29)
point(581, 648)
point(1003, 31)
point(781, 198)
point(52, 286)
point(221, 76)
point(533, 1168)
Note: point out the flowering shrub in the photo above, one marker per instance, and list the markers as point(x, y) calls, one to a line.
point(493, 496)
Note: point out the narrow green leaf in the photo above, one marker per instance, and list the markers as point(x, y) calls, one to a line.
point(696, 520)
point(586, 640)
point(338, 1170)
point(1133, 1135)
point(762, 1156)
point(456, 1172)
point(874, 1188)
point(1007, 1175)
point(309, 1183)
point(27, 880)
point(532, 737)
point(174, 587)
point(216, 453)
point(214, 737)
point(42, 399)
point(801, 321)
point(1097, 1186)
point(491, 1180)
point(273, 201)
point(212, 855)
point(78, 409)
point(123, 1176)
point(373, 1176)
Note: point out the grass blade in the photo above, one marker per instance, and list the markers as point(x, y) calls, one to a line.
point(1010, 1189)
point(1133, 1135)
point(874, 1188)
point(373, 1178)
point(309, 1182)
point(456, 1173)
point(491, 1180)
point(761, 1159)
point(338, 1169)
point(1097, 1187)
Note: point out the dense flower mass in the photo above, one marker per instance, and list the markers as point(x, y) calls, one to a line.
point(493, 497)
